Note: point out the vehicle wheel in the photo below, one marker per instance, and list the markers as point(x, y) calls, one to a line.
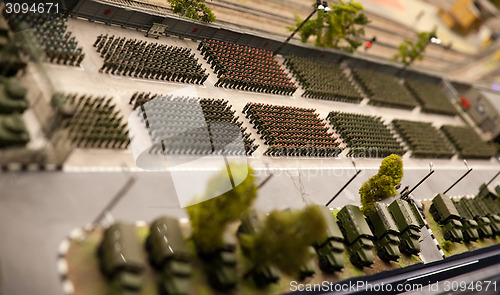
point(403, 248)
point(447, 236)
point(432, 209)
point(383, 255)
point(355, 260)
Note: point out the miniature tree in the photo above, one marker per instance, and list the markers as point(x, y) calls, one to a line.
point(210, 218)
point(410, 51)
point(382, 185)
point(340, 28)
point(284, 238)
point(194, 9)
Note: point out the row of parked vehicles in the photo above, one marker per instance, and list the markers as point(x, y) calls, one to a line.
point(468, 219)
point(390, 230)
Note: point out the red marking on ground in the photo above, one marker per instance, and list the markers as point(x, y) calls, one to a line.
point(396, 4)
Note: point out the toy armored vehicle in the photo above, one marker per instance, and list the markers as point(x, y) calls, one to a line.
point(169, 253)
point(121, 259)
point(469, 225)
point(386, 231)
point(13, 131)
point(357, 235)
point(12, 96)
point(484, 223)
point(445, 213)
point(331, 248)
point(408, 226)
point(250, 224)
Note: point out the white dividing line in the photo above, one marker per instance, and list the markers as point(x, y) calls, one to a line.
point(442, 270)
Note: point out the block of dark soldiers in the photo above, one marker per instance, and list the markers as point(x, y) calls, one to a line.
point(213, 131)
point(141, 59)
point(291, 131)
point(322, 80)
point(246, 68)
point(365, 136)
point(468, 143)
point(12, 96)
point(384, 89)
point(50, 33)
point(423, 139)
point(13, 131)
point(91, 122)
point(431, 97)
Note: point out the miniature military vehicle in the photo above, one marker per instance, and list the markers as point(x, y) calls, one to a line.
point(491, 205)
point(357, 235)
point(13, 131)
point(12, 96)
point(386, 231)
point(121, 259)
point(445, 213)
point(221, 264)
point(330, 249)
point(469, 225)
point(486, 211)
point(484, 223)
point(309, 268)
point(168, 252)
point(262, 276)
point(408, 226)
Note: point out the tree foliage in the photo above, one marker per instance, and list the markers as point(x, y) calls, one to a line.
point(382, 185)
point(194, 9)
point(340, 28)
point(284, 238)
point(209, 219)
point(410, 51)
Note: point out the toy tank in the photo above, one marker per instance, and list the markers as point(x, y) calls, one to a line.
point(330, 248)
point(13, 131)
point(357, 234)
point(484, 224)
point(408, 226)
point(121, 258)
point(445, 213)
point(386, 232)
point(469, 225)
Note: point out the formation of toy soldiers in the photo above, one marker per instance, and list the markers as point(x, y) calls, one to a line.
point(424, 139)
point(50, 31)
point(246, 68)
point(366, 136)
point(322, 80)
point(291, 131)
point(384, 89)
point(468, 143)
point(132, 57)
point(193, 126)
point(431, 97)
point(93, 122)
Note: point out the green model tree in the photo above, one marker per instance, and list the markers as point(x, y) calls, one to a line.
point(340, 28)
point(194, 9)
point(284, 238)
point(410, 51)
point(210, 218)
point(382, 185)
